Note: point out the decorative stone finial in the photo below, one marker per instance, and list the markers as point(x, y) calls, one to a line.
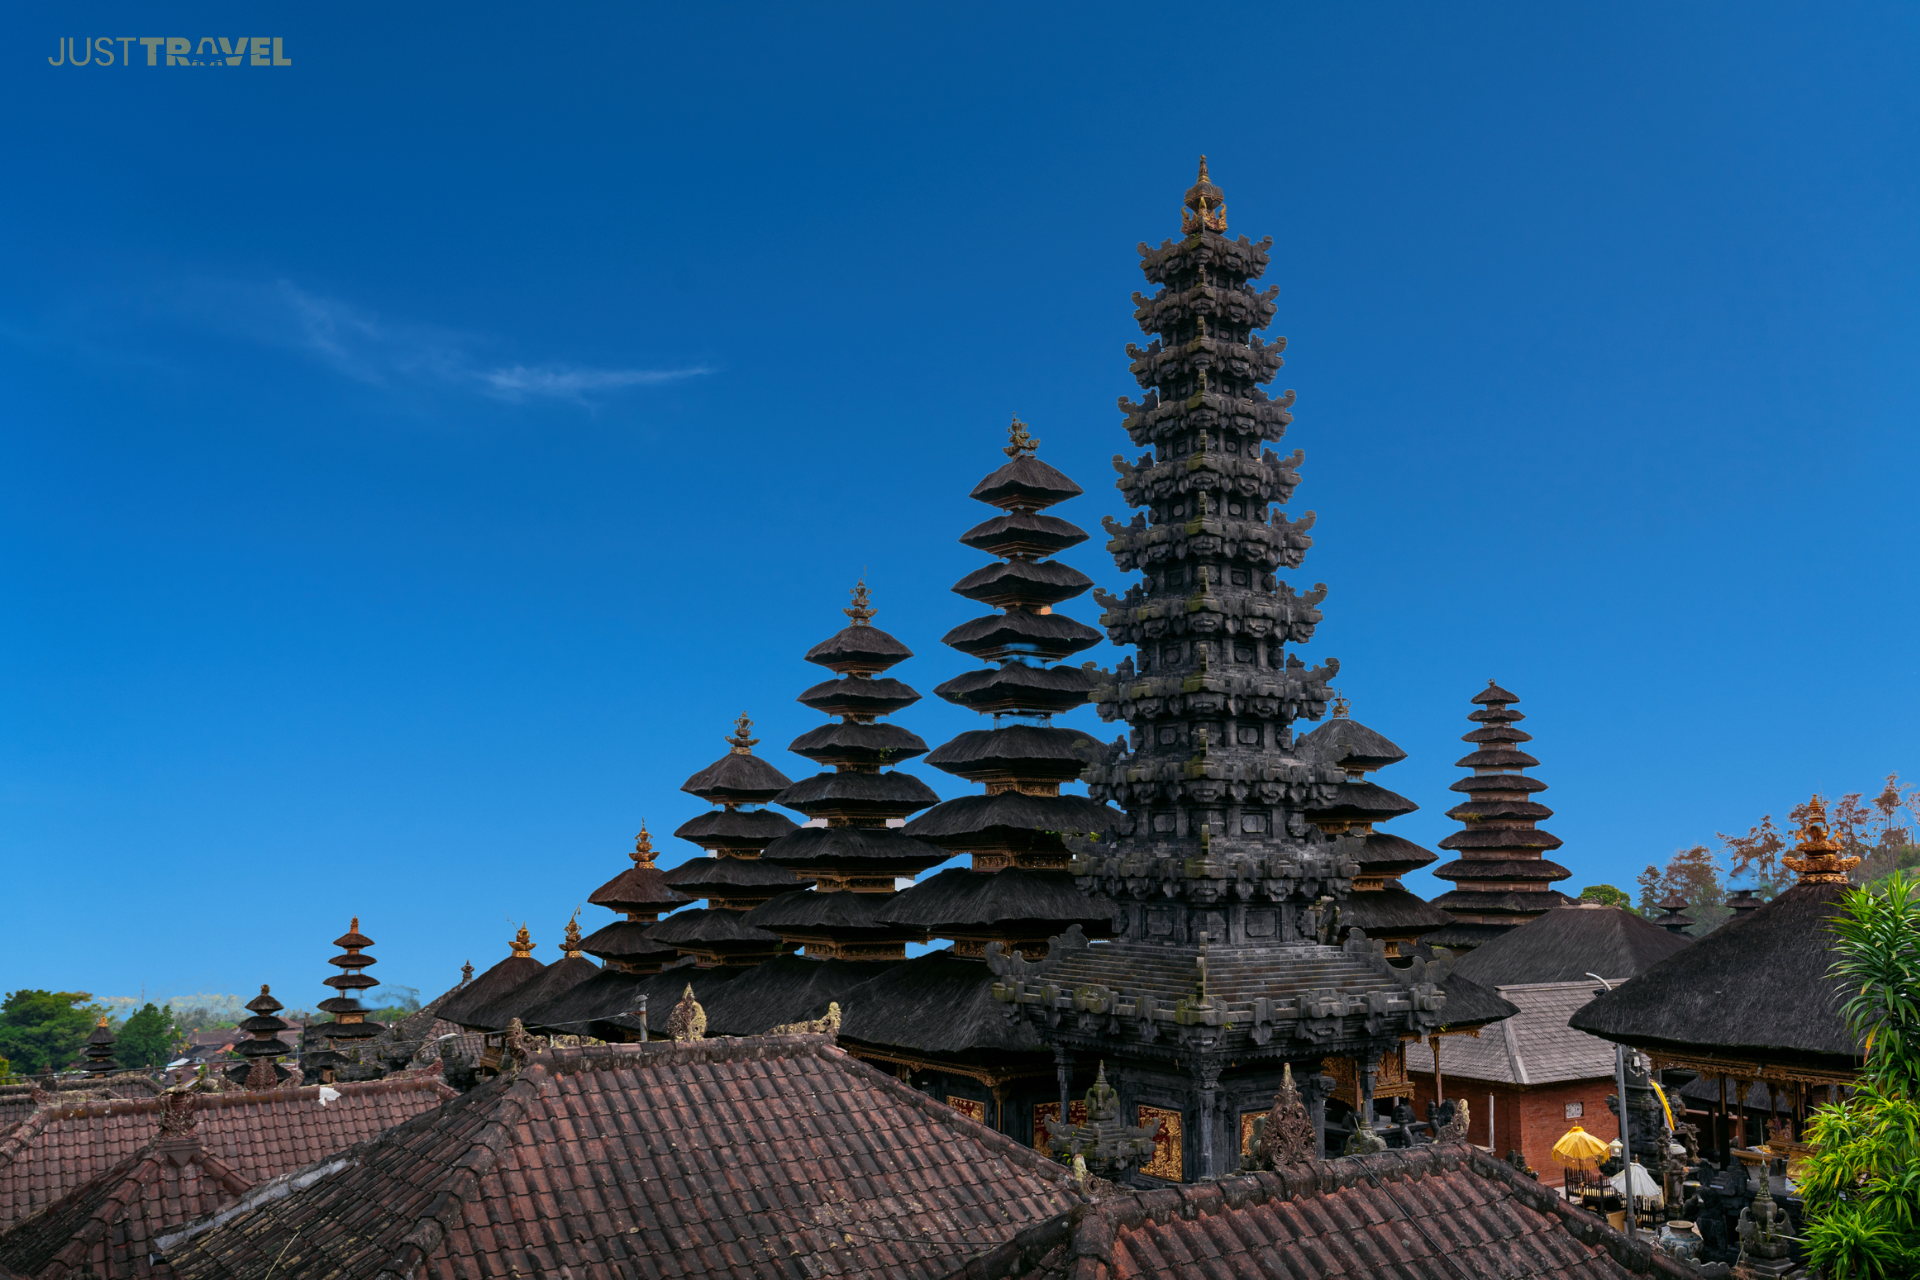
point(827, 1025)
point(466, 973)
point(1340, 705)
point(1019, 443)
point(643, 851)
point(742, 740)
point(522, 944)
point(1284, 1136)
point(688, 1021)
point(862, 610)
point(179, 1108)
point(1816, 857)
point(570, 942)
point(1206, 208)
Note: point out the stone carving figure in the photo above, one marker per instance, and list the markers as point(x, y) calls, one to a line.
point(688, 1021)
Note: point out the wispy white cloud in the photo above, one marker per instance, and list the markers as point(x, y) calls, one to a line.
point(381, 351)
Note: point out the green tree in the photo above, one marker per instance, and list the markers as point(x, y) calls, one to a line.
point(1862, 1184)
point(1607, 895)
point(147, 1038)
point(44, 1030)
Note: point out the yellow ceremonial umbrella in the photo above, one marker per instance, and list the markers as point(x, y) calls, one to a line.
point(1578, 1149)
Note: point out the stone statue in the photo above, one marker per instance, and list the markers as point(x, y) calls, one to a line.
point(688, 1021)
point(1285, 1134)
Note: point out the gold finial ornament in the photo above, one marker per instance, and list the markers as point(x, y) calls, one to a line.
point(742, 740)
point(1816, 857)
point(1206, 208)
point(102, 1022)
point(355, 926)
point(522, 944)
point(1019, 443)
point(1340, 705)
point(862, 610)
point(643, 850)
point(570, 945)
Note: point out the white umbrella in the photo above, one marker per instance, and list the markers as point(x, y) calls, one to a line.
point(1643, 1183)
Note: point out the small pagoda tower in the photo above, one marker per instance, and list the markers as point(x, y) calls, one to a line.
point(1379, 906)
point(265, 1047)
point(731, 876)
point(854, 860)
point(642, 895)
point(99, 1051)
point(349, 1031)
point(1018, 891)
point(1673, 915)
point(1502, 878)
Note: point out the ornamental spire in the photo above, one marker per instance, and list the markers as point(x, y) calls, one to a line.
point(643, 851)
point(570, 942)
point(1816, 856)
point(1019, 443)
point(1206, 208)
point(522, 943)
point(741, 739)
point(862, 611)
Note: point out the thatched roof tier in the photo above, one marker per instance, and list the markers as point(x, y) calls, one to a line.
point(874, 850)
point(859, 697)
point(1016, 898)
point(1500, 838)
point(1495, 783)
point(628, 941)
point(1465, 903)
point(1493, 696)
point(1496, 758)
point(1040, 753)
point(1024, 534)
point(1492, 807)
point(1391, 911)
point(556, 979)
point(735, 830)
point(1755, 991)
point(1361, 802)
point(1019, 688)
point(708, 877)
point(1025, 484)
point(516, 969)
point(859, 744)
point(1026, 584)
point(1012, 820)
point(1568, 943)
point(1350, 744)
point(859, 650)
point(1046, 636)
point(1380, 854)
point(852, 915)
point(870, 796)
point(710, 928)
point(1463, 870)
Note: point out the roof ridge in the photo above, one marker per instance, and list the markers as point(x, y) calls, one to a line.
point(237, 1098)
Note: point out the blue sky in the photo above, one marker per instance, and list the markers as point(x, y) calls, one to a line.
point(414, 456)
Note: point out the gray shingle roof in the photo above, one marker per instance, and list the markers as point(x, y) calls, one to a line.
point(1535, 1046)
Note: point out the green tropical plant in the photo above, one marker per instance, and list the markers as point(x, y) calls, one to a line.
point(147, 1038)
point(45, 1030)
point(1862, 1184)
point(1608, 896)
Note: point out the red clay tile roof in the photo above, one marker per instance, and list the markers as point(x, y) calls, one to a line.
point(259, 1135)
point(109, 1224)
point(1431, 1213)
point(776, 1156)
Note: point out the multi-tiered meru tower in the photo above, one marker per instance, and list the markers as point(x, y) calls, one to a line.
point(1218, 975)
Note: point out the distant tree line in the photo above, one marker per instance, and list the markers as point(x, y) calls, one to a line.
point(1877, 830)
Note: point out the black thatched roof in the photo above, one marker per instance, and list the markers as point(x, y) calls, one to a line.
point(1755, 989)
point(885, 849)
point(1030, 751)
point(626, 940)
point(1568, 943)
point(639, 888)
point(596, 1007)
point(1046, 635)
point(699, 876)
point(1381, 854)
point(1468, 1003)
point(1344, 741)
point(1023, 533)
point(861, 647)
point(490, 986)
point(787, 990)
point(664, 989)
point(858, 696)
point(845, 913)
point(1494, 694)
point(843, 743)
point(1012, 819)
point(1391, 909)
point(706, 926)
point(958, 898)
point(1466, 870)
point(1361, 802)
point(1023, 582)
point(937, 1004)
point(1016, 687)
point(1026, 483)
point(891, 794)
point(737, 778)
point(557, 978)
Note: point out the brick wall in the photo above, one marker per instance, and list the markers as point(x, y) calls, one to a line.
point(1532, 1119)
